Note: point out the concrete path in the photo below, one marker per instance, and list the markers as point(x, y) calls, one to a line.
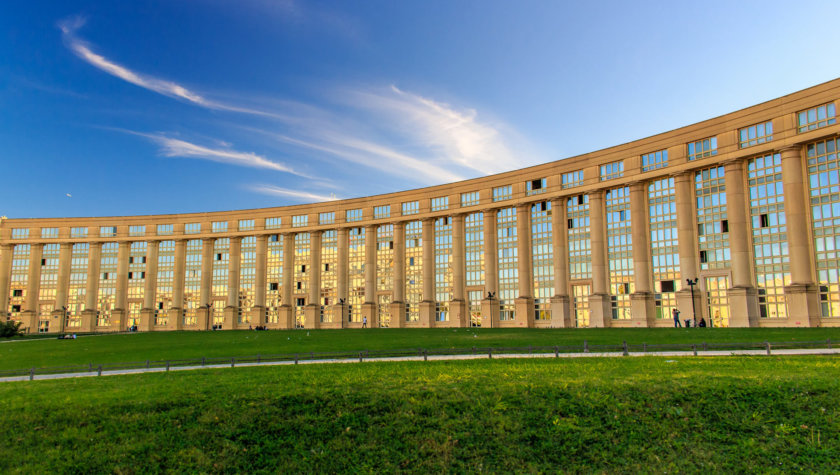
point(234, 364)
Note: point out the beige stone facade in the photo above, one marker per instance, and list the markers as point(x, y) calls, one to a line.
point(748, 204)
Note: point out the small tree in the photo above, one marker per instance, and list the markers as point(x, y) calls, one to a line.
point(10, 328)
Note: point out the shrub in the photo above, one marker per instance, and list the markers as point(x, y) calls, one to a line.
point(10, 328)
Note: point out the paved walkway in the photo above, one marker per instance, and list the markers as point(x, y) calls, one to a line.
point(233, 364)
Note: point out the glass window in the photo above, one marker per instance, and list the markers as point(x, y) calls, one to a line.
point(816, 117)
point(702, 148)
point(380, 212)
point(164, 229)
point(219, 226)
point(534, 187)
point(49, 233)
point(245, 224)
point(439, 204)
point(469, 199)
point(107, 231)
point(654, 160)
point(300, 221)
point(272, 223)
point(502, 193)
point(410, 207)
point(571, 179)
point(755, 134)
point(612, 170)
point(326, 218)
point(137, 230)
point(353, 215)
point(192, 228)
point(78, 232)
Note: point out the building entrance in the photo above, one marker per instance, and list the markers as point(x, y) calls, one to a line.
point(580, 294)
point(717, 300)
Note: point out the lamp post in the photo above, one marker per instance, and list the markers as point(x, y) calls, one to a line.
point(691, 283)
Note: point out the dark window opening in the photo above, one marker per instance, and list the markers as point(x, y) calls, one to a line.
point(667, 285)
point(703, 257)
point(571, 223)
point(724, 226)
point(764, 221)
point(273, 286)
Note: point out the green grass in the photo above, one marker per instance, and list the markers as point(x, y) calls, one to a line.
point(100, 349)
point(648, 414)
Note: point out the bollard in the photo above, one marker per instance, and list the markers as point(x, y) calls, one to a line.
point(626, 353)
point(32, 374)
point(556, 352)
point(360, 356)
point(490, 353)
point(585, 346)
point(425, 355)
point(694, 347)
point(768, 347)
point(167, 365)
point(232, 362)
point(296, 358)
point(99, 371)
point(203, 360)
point(147, 364)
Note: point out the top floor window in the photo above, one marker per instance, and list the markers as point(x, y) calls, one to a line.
point(353, 215)
point(571, 179)
point(78, 232)
point(219, 226)
point(654, 160)
point(755, 134)
point(20, 233)
point(164, 229)
point(501, 193)
point(107, 231)
point(300, 221)
point(245, 225)
point(439, 204)
point(612, 170)
point(380, 212)
point(816, 117)
point(410, 207)
point(272, 223)
point(702, 148)
point(534, 187)
point(192, 228)
point(137, 230)
point(326, 218)
point(49, 233)
point(469, 199)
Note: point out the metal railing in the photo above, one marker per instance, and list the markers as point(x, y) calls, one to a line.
point(414, 353)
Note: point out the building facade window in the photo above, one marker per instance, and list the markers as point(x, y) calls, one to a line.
point(413, 270)
point(443, 268)
point(381, 212)
point(192, 228)
point(137, 230)
point(470, 199)
point(192, 280)
point(274, 278)
point(654, 160)
point(107, 231)
point(501, 193)
point(245, 225)
point(164, 229)
point(303, 269)
point(329, 277)
point(80, 232)
point(612, 170)
point(136, 282)
point(572, 179)
point(106, 296)
point(441, 203)
point(326, 218)
point(474, 252)
point(542, 260)
point(712, 221)
point(619, 251)
point(702, 148)
point(165, 283)
point(816, 117)
point(300, 221)
point(535, 187)
point(410, 207)
point(356, 274)
point(20, 233)
point(384, 272)
point(221, 273)
point(219, 226)
point(77, 289)
point(824, 184)
point(755, 134)
point(580, 246)
point(353, 215)
point(273, 223)
point(508, 263)
point(49, 233)
point(664, 246)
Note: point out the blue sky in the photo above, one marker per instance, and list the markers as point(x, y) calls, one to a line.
point(148, 107)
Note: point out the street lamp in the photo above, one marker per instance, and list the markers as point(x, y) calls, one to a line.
point(691, 283)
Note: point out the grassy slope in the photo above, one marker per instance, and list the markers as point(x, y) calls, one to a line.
point(616, 415)
point(175, 345)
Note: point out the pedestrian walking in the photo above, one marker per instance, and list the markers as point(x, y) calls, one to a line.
point(676, 314)
point(364, 322)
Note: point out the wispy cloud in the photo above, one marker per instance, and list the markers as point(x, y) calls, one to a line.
point(172, 147)
point(285, 192)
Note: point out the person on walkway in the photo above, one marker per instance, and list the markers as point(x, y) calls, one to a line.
point(364, 322)
point(676, 314)
point(702, 323)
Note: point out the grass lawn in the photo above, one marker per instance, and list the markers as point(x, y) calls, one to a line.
point(27, 353)
point(647, 414)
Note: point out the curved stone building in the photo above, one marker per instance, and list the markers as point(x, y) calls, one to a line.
point(735, 219)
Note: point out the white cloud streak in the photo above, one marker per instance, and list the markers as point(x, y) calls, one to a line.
point(285, 192)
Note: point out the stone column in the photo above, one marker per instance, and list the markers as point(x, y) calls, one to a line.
point(204, 314)
point(258, 311)
point(62, 285)
point(6, 251)
point(524, 303)
point(642, 303)
point(743, 297)
point(490, 302)
point(232, 307)
point(147, 313)
point(313, 309)
point(687, 245)
point(339, 308)
point(89, 314)
point(29, 316)
point(118, 315)
point(458, 306)
point(286, 312)
point(369, 306)
point(600, 310)
point(560, 309)
point(427, 304)
point(802, 295)
point(177, 310)
point(398, 302)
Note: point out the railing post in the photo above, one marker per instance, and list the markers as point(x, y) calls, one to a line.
point(296, 358)
point(259, 359)
point(585, 346)
point(203, 361)
point(425, 355)
point(705, 347)
point(360, 356)
point(147, 364)
point(99, 371)
point(90, 367)
point(490, 353)
point(32, 374)
point(624, 343)
point(556, 352)
point(644, 347)
point(694, 348)
point(828, 343)
point(767, 343)
point(167, 365)
point(232, 362)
